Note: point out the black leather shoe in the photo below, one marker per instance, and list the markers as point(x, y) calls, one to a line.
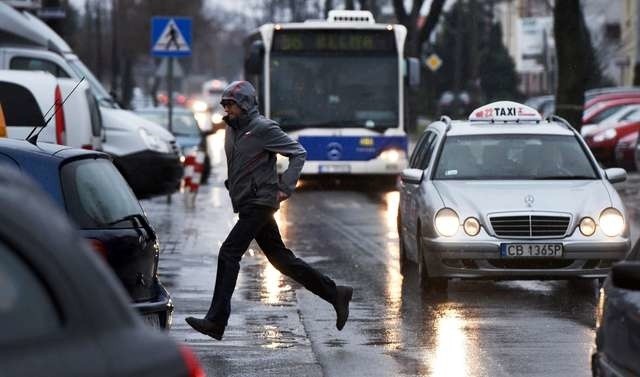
point(343, 296)
point(206, 327)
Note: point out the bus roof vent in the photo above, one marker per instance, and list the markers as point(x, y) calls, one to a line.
point(357, 16)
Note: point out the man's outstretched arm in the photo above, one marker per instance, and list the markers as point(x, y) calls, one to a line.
point(277, 141)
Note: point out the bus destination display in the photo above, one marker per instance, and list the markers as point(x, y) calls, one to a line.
point(334, 40)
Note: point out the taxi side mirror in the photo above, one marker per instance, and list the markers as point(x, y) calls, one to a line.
point(412, 176)
point(616, 175)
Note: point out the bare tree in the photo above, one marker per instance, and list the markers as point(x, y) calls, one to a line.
point(417, 35)
point(571, 39)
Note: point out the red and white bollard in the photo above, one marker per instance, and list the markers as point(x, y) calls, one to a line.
point(193, 167)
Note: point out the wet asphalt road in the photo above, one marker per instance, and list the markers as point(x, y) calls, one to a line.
point(481, 328)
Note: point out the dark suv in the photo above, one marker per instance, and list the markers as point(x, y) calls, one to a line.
point(96, 197)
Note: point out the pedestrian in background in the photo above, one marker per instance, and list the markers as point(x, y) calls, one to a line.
point(251, 144)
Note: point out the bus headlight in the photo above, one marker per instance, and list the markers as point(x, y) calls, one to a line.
point(447, 222)
point(391, 155)
point(471, 226)
point(612, 222)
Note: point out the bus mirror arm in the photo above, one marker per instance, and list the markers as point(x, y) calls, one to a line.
point(255, 58)
point(413, 72)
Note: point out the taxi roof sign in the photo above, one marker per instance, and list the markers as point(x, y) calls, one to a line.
point(505, 111)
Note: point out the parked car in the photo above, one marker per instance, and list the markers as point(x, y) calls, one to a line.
point(603, 143)
point(628, 113)
point(625, 152)
point(618, 322)
point(28, 98)
point(623, 94)
point(63, 313)
point(186, 130)
point(99, 201)
point(145, 153)
point(602, 110)
point(545, 105)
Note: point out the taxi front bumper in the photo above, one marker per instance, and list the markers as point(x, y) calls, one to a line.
point(482, 259)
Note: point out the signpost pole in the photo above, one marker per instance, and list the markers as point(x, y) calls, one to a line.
point(170, 93)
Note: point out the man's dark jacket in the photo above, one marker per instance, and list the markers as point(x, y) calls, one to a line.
point(251, 144)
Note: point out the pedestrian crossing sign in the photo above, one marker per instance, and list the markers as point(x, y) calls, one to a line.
point(171, 36)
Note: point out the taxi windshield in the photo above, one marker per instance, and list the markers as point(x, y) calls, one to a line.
point(513, 157)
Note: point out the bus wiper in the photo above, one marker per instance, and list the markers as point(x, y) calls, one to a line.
point(136, 219)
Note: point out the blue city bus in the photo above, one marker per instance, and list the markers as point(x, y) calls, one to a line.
point(338, 87)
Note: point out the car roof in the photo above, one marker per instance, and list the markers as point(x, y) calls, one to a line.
point(15, 147)
point(505, 117)
point(544, 127)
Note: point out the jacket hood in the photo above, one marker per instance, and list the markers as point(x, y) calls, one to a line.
point(481, 198)
point(243, 93)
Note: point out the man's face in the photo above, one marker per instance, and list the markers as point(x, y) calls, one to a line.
point(231, 107)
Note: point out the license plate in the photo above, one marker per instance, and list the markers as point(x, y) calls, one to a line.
point(531, 250)
point(334, 168)
point(152, 320)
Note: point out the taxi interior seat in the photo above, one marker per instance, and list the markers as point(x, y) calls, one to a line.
point(531, 159)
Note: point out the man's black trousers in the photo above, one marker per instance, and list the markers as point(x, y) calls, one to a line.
point(257, 222)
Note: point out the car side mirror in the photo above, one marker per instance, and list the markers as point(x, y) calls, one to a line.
point(626, 274)
point(616, 175)
point(412, 176)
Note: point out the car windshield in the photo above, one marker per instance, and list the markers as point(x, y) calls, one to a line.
point(97, 196)
point(332, 90)
point(104, 98)
point(184, 124)
point(513, 157)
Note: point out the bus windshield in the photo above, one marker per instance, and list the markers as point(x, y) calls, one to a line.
point(334, 90)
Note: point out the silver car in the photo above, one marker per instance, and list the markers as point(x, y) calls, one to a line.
point(507, 195)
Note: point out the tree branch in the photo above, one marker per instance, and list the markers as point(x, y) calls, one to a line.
point(401, 13)
point(432, 20)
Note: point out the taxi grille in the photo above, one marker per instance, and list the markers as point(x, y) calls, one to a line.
point(530, 226)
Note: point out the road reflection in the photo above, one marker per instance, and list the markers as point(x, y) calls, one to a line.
point(393, 284)
point(450, 356)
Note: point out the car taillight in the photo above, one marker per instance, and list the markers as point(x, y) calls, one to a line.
point(60, 125)
point(99, 247)
point(193, 365)
point(87, 146)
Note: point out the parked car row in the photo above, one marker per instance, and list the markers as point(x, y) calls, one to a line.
point(610, 124)
point(146, 154)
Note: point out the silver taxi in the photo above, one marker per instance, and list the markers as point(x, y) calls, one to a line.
point(506, 194)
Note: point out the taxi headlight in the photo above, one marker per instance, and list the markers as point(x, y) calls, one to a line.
point(611, 222)
point(216, 118)
point(391, 155)
point(447, 222)
point(587, 226)
point(471, 226)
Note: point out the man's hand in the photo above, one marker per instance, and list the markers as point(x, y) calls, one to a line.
point(282, 196)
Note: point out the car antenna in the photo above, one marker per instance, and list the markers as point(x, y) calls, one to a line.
point(34, 139)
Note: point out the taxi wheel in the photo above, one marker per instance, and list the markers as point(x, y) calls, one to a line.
point(428, 283)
